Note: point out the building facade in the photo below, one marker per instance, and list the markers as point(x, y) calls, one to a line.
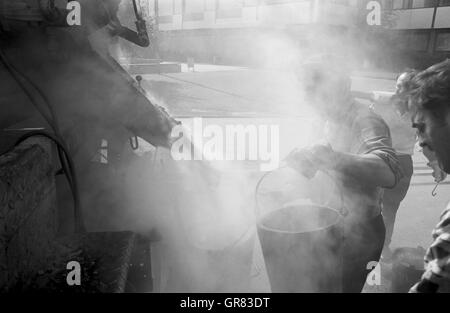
point(240, 31)
point(425, 24)
point(219, 14)
point(414, 33)
point(422, 29)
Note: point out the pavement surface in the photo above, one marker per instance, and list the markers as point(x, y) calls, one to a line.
point(235, 93)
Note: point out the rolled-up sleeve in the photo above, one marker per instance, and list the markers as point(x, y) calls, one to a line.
point(375, 138)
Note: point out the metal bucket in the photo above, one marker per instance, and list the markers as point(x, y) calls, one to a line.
point(301, 237)
point(302, 247)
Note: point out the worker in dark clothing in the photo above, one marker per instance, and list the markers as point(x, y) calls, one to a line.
point(360, 157)
point(394, 110)
point(430, 100)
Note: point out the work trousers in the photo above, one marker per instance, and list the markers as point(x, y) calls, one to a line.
point(362, 250)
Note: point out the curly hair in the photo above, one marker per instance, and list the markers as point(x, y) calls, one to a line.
point(430, 89)
point(408, 76)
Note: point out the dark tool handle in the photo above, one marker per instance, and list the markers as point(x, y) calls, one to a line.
point(136, 11)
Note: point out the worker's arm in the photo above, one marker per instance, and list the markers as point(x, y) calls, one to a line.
point(375, 162)
point(375, 159)
point(369, 168)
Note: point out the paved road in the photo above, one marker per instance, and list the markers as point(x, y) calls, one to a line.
point(232, 92)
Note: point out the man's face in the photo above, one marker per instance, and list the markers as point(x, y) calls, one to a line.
point(400, 85)
point(314, 94)
point(434, 132)
point(323, 92)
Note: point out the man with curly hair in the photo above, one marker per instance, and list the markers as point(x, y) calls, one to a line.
point(430, 100)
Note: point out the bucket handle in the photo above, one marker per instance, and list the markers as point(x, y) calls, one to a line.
point(343, 211)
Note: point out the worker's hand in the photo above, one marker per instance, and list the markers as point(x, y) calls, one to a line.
point(438, 174)
point(309, 160)
point(325, 156)
point(302, 161)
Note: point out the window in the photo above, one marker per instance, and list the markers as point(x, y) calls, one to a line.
point(194, 10)
point(230, 4)
point(399, 4)
point(178, 6)
point(413, 40)
point(418, 41)
point(423, 4)
point(229, 8)
point(443, 42)
point(194, 6)
point(165, 8)
point(444, 3)
point(409, 4)
point(387, 4)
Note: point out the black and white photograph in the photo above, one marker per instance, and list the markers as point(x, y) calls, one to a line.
point(204, 148)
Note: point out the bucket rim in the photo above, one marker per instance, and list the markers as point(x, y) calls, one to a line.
point(337, 221)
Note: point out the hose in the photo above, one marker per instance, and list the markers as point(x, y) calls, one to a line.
point(50, 117)
point(79, 225)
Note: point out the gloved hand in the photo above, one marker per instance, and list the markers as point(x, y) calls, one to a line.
point(438, 174)
point(309, 160)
